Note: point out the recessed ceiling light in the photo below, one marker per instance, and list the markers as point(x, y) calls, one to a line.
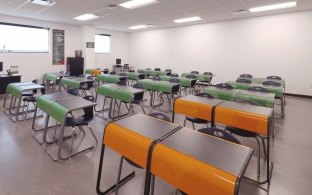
point(141, 26)
point(137, 3)
point(86, 17)
point(42, 2)
point(273, 7)
point(191, 19)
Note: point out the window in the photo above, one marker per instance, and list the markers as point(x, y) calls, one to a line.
point(24, 38)
point(102, 43)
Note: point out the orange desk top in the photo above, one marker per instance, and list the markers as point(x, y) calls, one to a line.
point(197, 163)
point(249, 117)
point(195, 106)
point(132, 136)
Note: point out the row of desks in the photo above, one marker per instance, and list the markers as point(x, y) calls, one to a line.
point(191, 161)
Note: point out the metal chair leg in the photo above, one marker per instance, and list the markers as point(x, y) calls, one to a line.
point(258, 163)
point(193, 125)
point(119, 174)
point(264, 148)
point(152, 184)
point(184, 123)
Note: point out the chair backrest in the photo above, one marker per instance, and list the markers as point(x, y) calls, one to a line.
point(122, 74)
point(243, 81)
point(272, 83)
point(174, 75)
point(138, 86)
point(259, 89)
point(174, 80)
point(90, 77)
point(246, 75)
point(112, 73)
point(160, 116)
point(157, 69)
point(35, 81)
point(194, 72)
point(131, 71)
point(220, 134)
point(156, 78)
point(224, 86)
point(61, 72)
point(204, 95)
point(274, 78)
point(208, 73)
point(96, 72)
point(81, 76)
point(190, 76)
point(148, 69)
point(168, 70)
point(122, 82)
point(73, 91)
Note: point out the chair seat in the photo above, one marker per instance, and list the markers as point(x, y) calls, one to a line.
point(240, 132)
point(77, 121)
point(196, 120)
point(29, 99)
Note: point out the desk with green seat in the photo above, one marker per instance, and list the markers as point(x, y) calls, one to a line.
point(277, 90)
point(54, 77)
point(115, 92)
point(59, 107)
point(261, 98)
point(108, 78)
point(185, 82)
point(160, 86)
point(259, 80)
point(207, 165)
point(16, 91)
point(133, 75)
point(153, 73)
point(75, 82)
point(200, 77)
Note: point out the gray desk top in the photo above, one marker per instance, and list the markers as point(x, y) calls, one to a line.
point(59, 96)
point(224, 155)
point(147, 126)
point(124, 88)
point(29, 87)
point(246, 108)
point(202, 100)
point(75, 103)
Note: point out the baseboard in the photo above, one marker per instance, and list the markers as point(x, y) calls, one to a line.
point(298, 95)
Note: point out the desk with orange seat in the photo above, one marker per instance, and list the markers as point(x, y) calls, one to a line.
point(193, 162)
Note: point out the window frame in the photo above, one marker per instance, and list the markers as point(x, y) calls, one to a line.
point(29, 26)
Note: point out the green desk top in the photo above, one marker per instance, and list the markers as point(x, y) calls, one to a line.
point(263, 99)
point(161, 86)
point(152, 72)
point(185, 82)
point(278, 91)
point(108, 78)
point(200, 77)
point(134, 76)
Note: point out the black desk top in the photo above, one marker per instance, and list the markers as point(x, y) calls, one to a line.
point(146, 126)
point(75, 103)
point(202, 100)
point(224, 155)
point(259, 110)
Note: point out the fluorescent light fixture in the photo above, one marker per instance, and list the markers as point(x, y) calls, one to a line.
point(85, 17)
point(191, 19)
point(42, 2)
point(137, 3)
point(273, 7)
point(137, 27)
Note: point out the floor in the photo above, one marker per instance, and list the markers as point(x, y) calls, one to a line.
point(25, 167)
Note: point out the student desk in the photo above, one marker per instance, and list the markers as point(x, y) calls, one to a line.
point(16, 90)
point(261, 98)
point(153, 73)
point(195, 106)
point(119, 92)
point(277, 90)
point(160, 86)
point(133, 137)
point(54, 77)
point(185, 82)
point(200, 77)
point(258, 80)
point(210, 165)
point(250, 118)
point(108, 78)
point(59, 106)
point(134, 76)
point(75, 82)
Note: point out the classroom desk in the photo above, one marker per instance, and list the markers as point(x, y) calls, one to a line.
point(160, 147)
point(195, 106)
point(277, 90)
point(54, 77)
point(160, 86)
point(200, 77)
point(258, 80)
point(134, 76)
point(185, 82)
point(59, 106)
point(75, 82)
point(119, 92)
point(133, 140)
point(108, 78)
point(250, 118)
point(261, 98)
point(16, 90)
point(153, 73)
point(197, 163)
